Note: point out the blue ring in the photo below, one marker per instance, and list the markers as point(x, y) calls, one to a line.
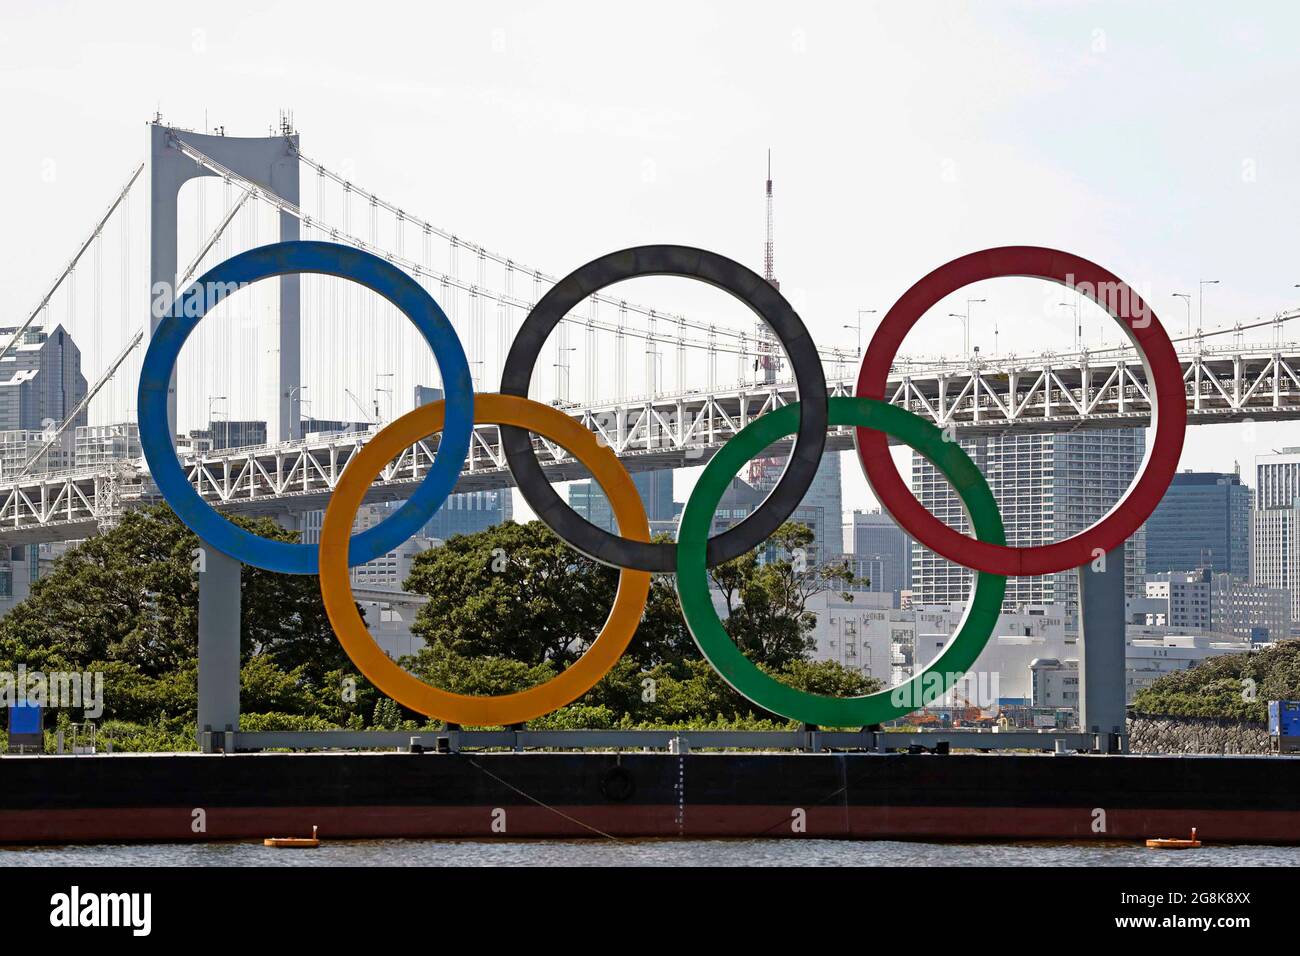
point(285, 258)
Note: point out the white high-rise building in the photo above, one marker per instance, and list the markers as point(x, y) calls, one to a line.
point(1202, 602)
point(1275, 552)
point(1275, 544)
point(388, 571)
point(1049, 487)
point(864, 632)
point(1277, 479)
point(99, 445)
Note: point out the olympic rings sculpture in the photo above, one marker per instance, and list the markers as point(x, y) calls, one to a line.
point(874, 419)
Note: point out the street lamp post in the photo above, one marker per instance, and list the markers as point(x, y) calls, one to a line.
point(1078, 329)
point(858, 327)
point(969, 303)
point(1200, 306)
point(965, 323)
point(965, 320)
point(1277, 323)
point(212, 431)
point(1187, 301)
point(295, 412)
point(384, 391)
point(562, 372)
point(656, 375)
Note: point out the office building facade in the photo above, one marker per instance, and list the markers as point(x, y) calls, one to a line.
point(20, 446)
point(1275, 525)
point(40, 386)
point(40, 380)
point(98, 445)
point(1205, 602)
point(655, 489)
point(1275, 553)
point(879, 540)
point(822, 508)
point(1049, 487)
point(1277, 479)
point(469, 512)
point(1203, 521)
point(222, 434)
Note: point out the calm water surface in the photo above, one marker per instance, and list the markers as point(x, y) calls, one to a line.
point(647, 853)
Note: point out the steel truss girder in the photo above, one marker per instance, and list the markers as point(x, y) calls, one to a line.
point(683, 430)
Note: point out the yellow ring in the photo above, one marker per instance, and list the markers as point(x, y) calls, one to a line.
point(405, 688)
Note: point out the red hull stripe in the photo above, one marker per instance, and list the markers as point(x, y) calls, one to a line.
point(487, 822)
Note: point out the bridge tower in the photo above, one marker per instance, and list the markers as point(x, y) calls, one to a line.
point(271, 162)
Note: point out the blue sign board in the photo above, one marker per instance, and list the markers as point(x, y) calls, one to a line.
point(25, 719)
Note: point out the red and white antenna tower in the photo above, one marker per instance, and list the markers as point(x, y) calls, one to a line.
point(768, 274)
point(763, 471)
point(768, 359)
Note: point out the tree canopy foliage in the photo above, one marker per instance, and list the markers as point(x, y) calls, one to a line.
point(1235, 686)
point(512, 605)
point(508, 608)
point(125, 602)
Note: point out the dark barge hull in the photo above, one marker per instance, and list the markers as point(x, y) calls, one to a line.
point(574, 794)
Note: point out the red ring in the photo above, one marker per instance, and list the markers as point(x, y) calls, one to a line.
point(1164, 380)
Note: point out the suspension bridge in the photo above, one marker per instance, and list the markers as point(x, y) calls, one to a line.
point(663, 389)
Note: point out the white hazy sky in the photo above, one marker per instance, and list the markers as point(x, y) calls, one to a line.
point(1158, 139)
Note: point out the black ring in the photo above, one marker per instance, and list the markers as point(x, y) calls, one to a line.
point(767, 303)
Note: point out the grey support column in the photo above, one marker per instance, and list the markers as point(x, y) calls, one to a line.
point(1102, 703)
point(285, 423)
point(219, 601)
point(168, 171)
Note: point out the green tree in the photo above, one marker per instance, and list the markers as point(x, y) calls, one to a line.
point(511, 606)
point(515, 590)
point(1236, 686)
point(126, 602)
point(767, 602)
point(829, 678)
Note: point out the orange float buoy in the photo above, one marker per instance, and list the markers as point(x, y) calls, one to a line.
point(292, 842)
point(1166, 843)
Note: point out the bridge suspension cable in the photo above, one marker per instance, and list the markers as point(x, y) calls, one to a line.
point(485, 253)
point(72, 264)
point(212, 239)
point(716, 339)
point(82, 405)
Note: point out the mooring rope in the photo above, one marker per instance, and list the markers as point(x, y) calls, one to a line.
point(545, 806)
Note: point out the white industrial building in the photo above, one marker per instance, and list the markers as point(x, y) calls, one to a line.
point(1031, 660)
point(864, 634)
point(1202, 602)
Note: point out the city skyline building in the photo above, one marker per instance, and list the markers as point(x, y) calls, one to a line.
point(1275, 525)
point(222, 434)
point(1203, 521)
point(1048, 486)
point(656, 491)
point(1277, 479)
point(1206, 602)
point(95, 445)
point(822, 507)
point(1275, 553)
point(469, 512)
point(40, 380)
point(17, 448)
point(388, 571)
point(878, 539)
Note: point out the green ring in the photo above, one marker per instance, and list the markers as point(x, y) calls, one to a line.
point(737, 670)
